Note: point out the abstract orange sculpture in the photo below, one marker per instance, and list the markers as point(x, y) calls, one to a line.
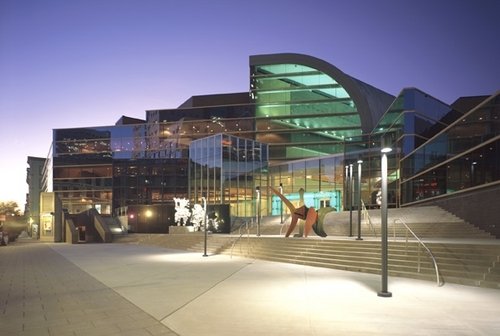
point(313, 219)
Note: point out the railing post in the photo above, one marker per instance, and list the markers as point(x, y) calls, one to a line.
point(205, 226)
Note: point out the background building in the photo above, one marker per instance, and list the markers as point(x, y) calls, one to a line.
point(34, 178)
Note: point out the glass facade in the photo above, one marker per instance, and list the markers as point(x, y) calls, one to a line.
point(463, 156)
point(301, 112)
point(367, 149)
point(321, 178)
point(84, 186)
point(300, 125)
point(149, 181)
point(226, 170)
point(299, 109)
point(177, 128)
point(312, 114)
point(108, 167)
point(412, 118)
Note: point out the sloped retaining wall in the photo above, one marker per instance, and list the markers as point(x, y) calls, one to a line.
point(479, 207)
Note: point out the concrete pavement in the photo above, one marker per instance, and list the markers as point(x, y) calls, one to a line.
point(43, 293)
point(125, 289)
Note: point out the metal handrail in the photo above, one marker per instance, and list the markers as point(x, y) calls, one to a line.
point(283, 225)
point(367, 215)
point(241, 235)
point(439, 282)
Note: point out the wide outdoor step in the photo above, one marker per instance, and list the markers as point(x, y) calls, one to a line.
point(464, 263)
point(408, 262)
point(467, 264)
point(459, 232)
point(458, 263)
point(426, 222)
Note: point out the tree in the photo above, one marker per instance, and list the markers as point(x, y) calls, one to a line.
point(9, 208)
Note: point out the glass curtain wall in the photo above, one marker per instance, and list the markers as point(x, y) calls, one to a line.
point(465, 155)
point(82, 169)
point(149, 181)
point(88, 163)
point(321, 179)
point(301, 112)
point(367, 149)
point(188, 124)
point(413, 117)
point(226, 170)
point(84, 186)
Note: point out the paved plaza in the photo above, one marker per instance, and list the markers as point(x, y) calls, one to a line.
point(128, 289)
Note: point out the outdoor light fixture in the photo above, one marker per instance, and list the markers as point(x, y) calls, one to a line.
point(384, 146)
point(257, 204)
point(359, 200)
point(384, 149)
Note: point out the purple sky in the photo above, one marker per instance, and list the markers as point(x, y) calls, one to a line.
point(75, 63)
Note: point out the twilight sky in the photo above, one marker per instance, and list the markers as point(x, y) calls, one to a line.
point(77, 63)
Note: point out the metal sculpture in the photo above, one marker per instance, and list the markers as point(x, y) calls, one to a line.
point(313, 219)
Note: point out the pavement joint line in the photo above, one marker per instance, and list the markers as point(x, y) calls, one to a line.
point(46, 328)
point(105, 286)
point(205, 291)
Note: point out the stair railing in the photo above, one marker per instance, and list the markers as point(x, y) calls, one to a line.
point(283, 226)
point(420, 244)
point(247, 230)
point(366, 216)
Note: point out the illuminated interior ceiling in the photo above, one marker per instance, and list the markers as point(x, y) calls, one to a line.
point(299, 98)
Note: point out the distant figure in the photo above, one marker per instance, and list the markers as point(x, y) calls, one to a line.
point(313, 218)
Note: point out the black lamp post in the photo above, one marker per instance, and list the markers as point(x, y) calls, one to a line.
point(351, 196)
point(257, 191)
point(384, 149)
point(346, 187)
point(359, 200)
point(281, 203)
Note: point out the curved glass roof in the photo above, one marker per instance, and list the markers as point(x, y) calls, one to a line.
point(305, 103)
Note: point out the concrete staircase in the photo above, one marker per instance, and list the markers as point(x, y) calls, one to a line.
point(467, 264)
point(464, 254)
point(426, 222)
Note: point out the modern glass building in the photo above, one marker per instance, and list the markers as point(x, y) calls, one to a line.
point(107, 167)
point(413, 117)
point(225, 170)
point(305, 107)
point(302, 124)
point(459, 168)
point(463, 156)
